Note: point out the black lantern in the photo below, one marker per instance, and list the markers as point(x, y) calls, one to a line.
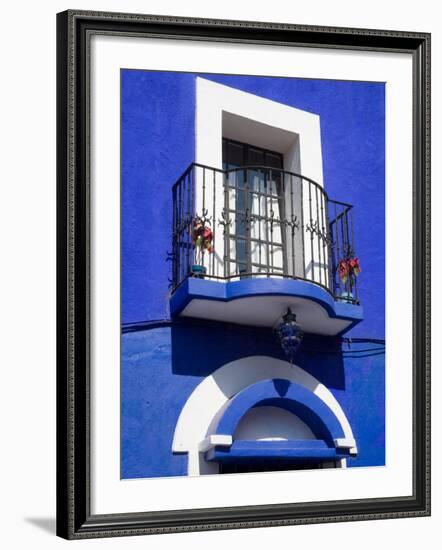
point(290, 334)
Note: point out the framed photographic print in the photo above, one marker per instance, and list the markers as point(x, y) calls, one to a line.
point(243, 274)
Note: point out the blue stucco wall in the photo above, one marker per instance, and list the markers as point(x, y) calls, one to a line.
point(161, 365)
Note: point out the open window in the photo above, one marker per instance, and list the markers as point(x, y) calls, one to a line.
point(256, 206)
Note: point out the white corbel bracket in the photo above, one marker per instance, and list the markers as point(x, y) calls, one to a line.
point(347, 443)
point(215, 440)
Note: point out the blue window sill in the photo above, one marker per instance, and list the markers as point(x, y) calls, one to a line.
point(242, 451)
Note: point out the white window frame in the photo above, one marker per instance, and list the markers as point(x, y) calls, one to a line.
point(222, 111)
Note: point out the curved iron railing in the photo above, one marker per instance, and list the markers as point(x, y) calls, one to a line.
point(265, 222)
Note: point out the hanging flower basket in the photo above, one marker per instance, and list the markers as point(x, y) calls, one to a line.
point(348, 269)
point(202, 238)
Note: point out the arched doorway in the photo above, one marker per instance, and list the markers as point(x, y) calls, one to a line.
point(268, 423)
point(195, 432)
point(309, 438)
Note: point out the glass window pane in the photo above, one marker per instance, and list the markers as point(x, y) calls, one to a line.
point(273, 160)
point(241, 246)
point(233, 154)
point(255, 157)
point(241, 225)
point(250, 190)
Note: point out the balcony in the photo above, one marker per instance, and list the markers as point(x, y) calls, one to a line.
point(276, 241)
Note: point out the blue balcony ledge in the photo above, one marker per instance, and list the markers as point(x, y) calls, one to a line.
point(261, 302)
point(243, 451)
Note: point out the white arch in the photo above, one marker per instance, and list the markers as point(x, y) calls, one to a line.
point(214, 391)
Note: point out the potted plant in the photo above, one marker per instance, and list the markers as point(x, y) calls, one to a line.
point(202, 238)
point(348, 269)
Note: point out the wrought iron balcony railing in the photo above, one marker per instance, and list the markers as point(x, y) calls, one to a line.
point(263, 222)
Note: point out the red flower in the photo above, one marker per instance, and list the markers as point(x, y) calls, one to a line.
point(202, 235)
point(349, 268)
point(207, 233)
point(343, 269)
point(353, 263)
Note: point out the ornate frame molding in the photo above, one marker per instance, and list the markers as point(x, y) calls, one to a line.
point(74, 29)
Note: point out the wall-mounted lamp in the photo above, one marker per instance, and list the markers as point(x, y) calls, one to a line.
point(290, 334)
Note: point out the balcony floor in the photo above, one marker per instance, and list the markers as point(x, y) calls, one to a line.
point(262, 301)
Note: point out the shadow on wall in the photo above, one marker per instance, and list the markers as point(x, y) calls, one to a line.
point(200, 347)
point(322, 356)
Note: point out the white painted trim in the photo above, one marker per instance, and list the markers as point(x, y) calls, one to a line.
point(213, 100)
point(196, 417)
point(345, 443)
point(215, 440)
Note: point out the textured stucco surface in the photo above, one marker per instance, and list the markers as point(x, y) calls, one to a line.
point(161, 365)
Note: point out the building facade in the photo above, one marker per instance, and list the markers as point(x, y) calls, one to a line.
point(249, 342)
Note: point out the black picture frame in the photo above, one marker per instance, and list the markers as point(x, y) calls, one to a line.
point(74, 518)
